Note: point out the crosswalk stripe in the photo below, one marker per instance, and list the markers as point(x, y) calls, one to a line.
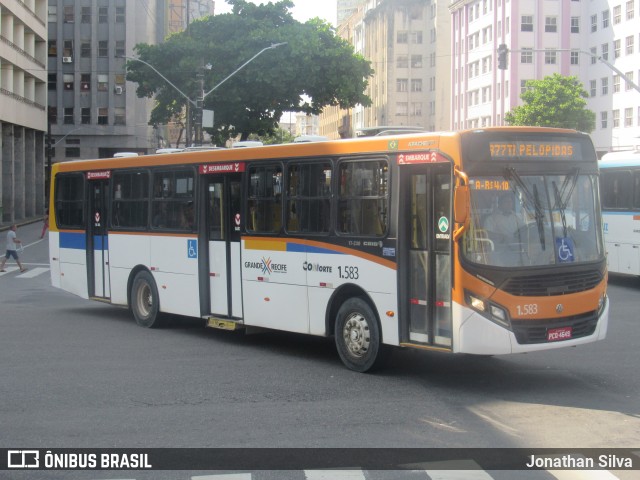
point(8, 270)
point(225, 476)
point(33, 273)
point(582, 474)
point(334, 475)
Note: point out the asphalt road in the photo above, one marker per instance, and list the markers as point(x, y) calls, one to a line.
point(82, 374)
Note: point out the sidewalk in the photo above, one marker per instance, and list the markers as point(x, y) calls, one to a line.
point(21, 223)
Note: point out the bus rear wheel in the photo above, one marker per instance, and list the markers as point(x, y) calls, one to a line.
point(357, 336)
point(145, 303)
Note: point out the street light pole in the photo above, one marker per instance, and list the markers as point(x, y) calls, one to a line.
point(199, 103)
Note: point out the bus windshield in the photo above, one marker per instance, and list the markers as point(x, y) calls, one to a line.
point(533, 220)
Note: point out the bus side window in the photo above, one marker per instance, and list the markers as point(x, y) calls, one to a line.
point(265, 199)
point(363, 197)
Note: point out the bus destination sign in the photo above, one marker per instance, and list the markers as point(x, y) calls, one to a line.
point(551, 150)
point(211, 168)
point(101, 175)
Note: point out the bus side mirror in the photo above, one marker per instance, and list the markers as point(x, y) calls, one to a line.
point(461, 201)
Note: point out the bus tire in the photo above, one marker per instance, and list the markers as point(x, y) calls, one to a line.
point(145, 302)
point(357, 336)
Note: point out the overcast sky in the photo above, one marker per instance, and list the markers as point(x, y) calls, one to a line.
point(303, 10)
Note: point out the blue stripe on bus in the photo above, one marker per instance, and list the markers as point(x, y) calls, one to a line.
point(98, 242)
point(75, 240)
point(302, 248)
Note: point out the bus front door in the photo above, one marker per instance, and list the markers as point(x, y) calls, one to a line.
point(223, 238)
point(426, 286)
point(98, 240)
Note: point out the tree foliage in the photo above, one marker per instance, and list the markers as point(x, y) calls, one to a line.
point(554, 101)
point(313, 70)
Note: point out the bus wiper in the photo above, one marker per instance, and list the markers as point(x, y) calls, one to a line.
point(561, 199)
point(532, 199)
point(539, 216)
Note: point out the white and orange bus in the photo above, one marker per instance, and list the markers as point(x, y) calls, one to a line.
point(378, 242)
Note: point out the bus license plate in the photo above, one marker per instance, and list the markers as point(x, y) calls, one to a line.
point(557, 334)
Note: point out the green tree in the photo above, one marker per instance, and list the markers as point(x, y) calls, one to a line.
point(313, 70)
point(554, 101)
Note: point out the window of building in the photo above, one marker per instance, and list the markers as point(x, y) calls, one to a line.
point(308, 200)
point(85, 15)
point(67, 48)
point(363, 197)
point(85, 49)
point(526, 55)
point(52, 115)
point(402, 37)
point(604, 82)
point(416, 37)
point(120, 51)
point(593, 88)
point(416, 109)
point(130, 207)
point(630, 10)
point(416, 85)
point(402, 85)
point(627, 85)
point(103, 14)
point(617, 14)
point(523, 86)
point(605, 51)
point(402, 61)
point(550, 24)
point(594, 23)
point(67, 80)
point(575, 24)
point(526, 23)
point(69, 15)
point(52, 81)
point(103, 48)
point(628, 117)
point(603, 119)
point(550, 57)
point(69, 200)
point(68, 115)
point(85, 116)
point(103, 82)
point(629, 45)
point(72, 152)
point(416, 61)
point(402, 109)
point(52, 13)
point(103, 116)
point(575, 58)
point(616, 48)
point(265, 199)
point(594, 55)
point(120, 14)
point(119, 116)
point(53, 48)
point(85, 82)
point(605, 18)
point(616, 83)
point(615, 115)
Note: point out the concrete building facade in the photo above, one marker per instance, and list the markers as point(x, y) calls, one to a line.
point(23, 95)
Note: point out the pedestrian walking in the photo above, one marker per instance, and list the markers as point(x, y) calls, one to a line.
point(46, 223)
point(12, 249)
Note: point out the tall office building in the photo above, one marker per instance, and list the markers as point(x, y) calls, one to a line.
point(408, 43)
point(23, 96)
point(543, 38)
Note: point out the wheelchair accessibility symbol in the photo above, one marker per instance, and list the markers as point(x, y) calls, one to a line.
point(192, 249)
point(564, 250)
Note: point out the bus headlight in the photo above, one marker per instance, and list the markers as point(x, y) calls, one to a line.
point(493, 312)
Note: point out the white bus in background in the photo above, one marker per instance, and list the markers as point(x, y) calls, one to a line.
point(620, 199)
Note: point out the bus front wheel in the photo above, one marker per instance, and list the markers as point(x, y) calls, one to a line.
point(145, 304)
point(357, 336)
